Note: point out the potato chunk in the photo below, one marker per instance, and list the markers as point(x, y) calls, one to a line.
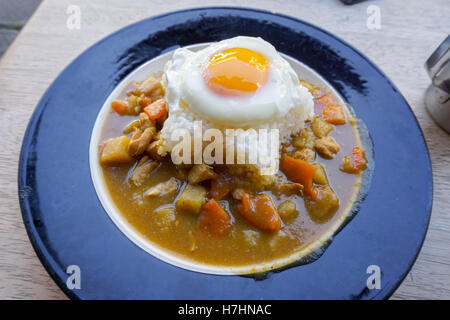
point(320, 176)
point(115, 151)
point(320, 127)
point(191, 199)
point(287, 210)
point(324, 206)
point(165, 217)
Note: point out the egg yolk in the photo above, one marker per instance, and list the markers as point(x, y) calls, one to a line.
point(236, 72)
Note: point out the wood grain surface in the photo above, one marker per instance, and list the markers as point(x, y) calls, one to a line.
point(410, 31)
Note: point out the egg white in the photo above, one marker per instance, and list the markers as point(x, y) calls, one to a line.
point(280, 94)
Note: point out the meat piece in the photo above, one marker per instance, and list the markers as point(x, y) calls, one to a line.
point(221, 186)
point(148, 86)
point(142, 170)
point(162, 189)
point(153, 148)
point(200, 172)
point(305, 154)
point(327, 147)
point(238, 193)
point(304, 140)
point(140, 141)
point(145, 122)
point(320, 127)
point(290, 188)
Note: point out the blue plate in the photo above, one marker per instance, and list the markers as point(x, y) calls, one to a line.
point(68, 226)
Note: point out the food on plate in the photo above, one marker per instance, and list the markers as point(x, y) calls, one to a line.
point(229, 213)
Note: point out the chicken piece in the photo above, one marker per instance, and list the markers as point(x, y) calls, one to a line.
point(320, 127)
point(305, 154)
point(148, 86)
point(304, 140)
point(201, 172)
point(290, 188)
point(145, 122)
point(327, 147)
point(152, 149)
point(142, 170)
point(238, 193)
point(140, 141)
point(162, 189)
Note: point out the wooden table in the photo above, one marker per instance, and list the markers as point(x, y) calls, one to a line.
point(410, 31)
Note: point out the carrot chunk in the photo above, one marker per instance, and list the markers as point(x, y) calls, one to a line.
point(359, 159)
point(119, 106)
point(214, 219)
point(325, 100)
point(299, 171)
point(334, 114)
point(156, 109)
point(260, 211)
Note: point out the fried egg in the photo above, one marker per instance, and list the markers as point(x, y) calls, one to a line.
point(240, 82)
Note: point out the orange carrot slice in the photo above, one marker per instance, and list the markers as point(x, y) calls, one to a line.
point(299, 171)
point(119, 106)
point(156, 109)
point(334, 114)
point(260, 211)
point(214, 219)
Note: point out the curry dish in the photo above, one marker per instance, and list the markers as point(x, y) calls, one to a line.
point(223, 214)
